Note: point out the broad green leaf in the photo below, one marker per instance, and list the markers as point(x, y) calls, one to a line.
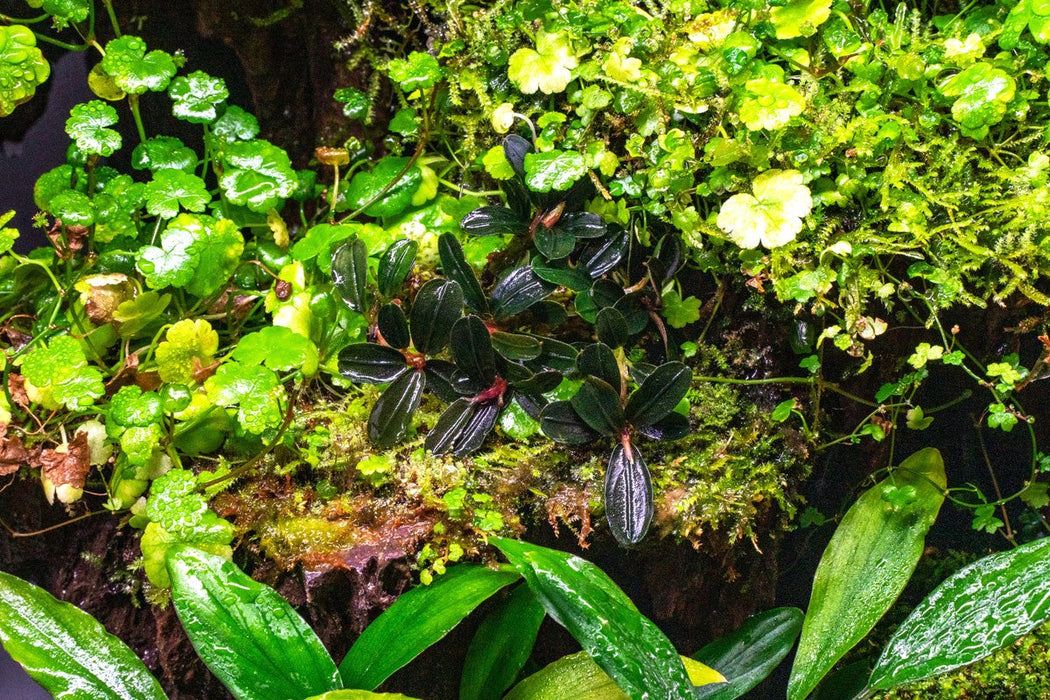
point(977, 610)
point(64, 11)
point(73, 207)
point(187, 345)
point(279, 349)
point(358, 695)
point(769, 104)
point(547, 68)
point(162, 152)
point(321, 239)
point(8, 236)
point(198, 98)
point(501, 646)
point(385, 189)
point(553, 170)
point(255, 390)
point(219, 245)
point(257, 175)
point(416, 620)
point(66, 650)
point(172, 189)
point(983, 94)
point(577, 677)
point(245, 632)
point(356, 104)
point(628, 494)
point(751, 653)
point(136, 314)
point(57, 374)
point(658, 394)
point(437, 306)
point(800, 17)
point(133, 70)
point(680, 312)
point(22, 67)
point(773, 216)
point(235, 125)
point(417, 72)
point(584, 600)
point(88, 127)
point(172, 263)
point(866, 565)
point(53, 183)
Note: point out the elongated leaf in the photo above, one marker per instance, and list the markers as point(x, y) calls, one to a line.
point(462, 427)
point(516, 346)
point(441, 379)
point(539, 383)
point(560, 422)
point(611, 327)
point(554, 243)
point(658, 394)
point(350, 273)
point(671, 255)
point(416, 620)
point(869, 560)
point(673, 426)
point(393, 326)
point(455, 266)
point(66, 650)
point(472, 351)
point(438, 305)
point(518, 291)
point(493, 221)
point(558, 273)
point(394, 266)
point(514, 149)
point(978, 609)
point(635, 310)
point(359, 695)
point(584, 600)
point(370, 363)
point(388, 422)
point(577, 677)
point(598, 404)
point(245, 632)
point(598, 360)
point(579, 224)
point(501, 646)
point(751, 653)
point(557, 355)
point(603, 254)
point(628, 495)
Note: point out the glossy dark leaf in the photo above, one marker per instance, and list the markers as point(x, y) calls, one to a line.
point(640, 370)
point(673, 426)
point(611, 327)
point(493, 221)
point(584, 600)
point(598, 360)
point(393, 326)
point(557, 355)
point(394, 266)
point(514, 150)
point(370, 363)
point(501, 646)
point(390, 417)
point(606, 293)
point(463, 427)
point(66, 650)
point(416, 620)
point(598, 404)
point(548, 313)
point(585, 306)
point(751, 653)
point(560, 422)
point(455, 266)
point(438, 305)
point(671, 255)
point(554, 243)
point(245, 632)
point(516, 346)
point(350, 273)
point(560, 274)
point(579, 224)
point(628, 495)
point(635, 314)
point(538, 384)
point(532, 404)
point(603, 254)
point(442, 378)
point(518, 198)
point(518, 291)
point(472, 351)
point(658, 395)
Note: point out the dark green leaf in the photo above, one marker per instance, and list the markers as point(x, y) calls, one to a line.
point(393, 410)
point(603, 254)
point(463, 427)
point(393, 326)
point(350, 272)
point(416, 620)
point(518, 291)
point(598, 360)
point(611, 327)
point(605, 293)
point(537, 384)
point(560, 274)
point(493, 221)
point(628, 494)
point(847, 682)
point(438, 305)
point(634, 310)
point(977, 610)
point(472, 351)
point(579, 224)
point(394, 266)
point(245, 632)
point(658, 395)
point(515, 346)
point(441, 380)
point(751, 653)
point(355, 103)
point(501, 646)
point(554, 243)
point(370, 363)
point(557, 355)
point(560, 422)
point(514, 149)
point(671, 256)
point(66, 650)
point(598, 404)
point(673, 426)
point(581, 598)
point(455, 266)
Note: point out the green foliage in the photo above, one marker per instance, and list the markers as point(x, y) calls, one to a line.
point(135, 71)
point(88, 126)
point(58, 374)
point(22, 67)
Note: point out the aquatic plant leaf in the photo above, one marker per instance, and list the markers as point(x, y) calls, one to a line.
point(553, 170)
point(493, 221)
point(585, 601)
point(560, 422)
point(198, 97)
point(800, 17)
point(88, 125)
point(133, 69)
point(395, 264)
point(597, 360)
point(255, 390)
point(501, 646)
point(245, 632)
point(749, 654)
point(356, 104)
point(611, 327)
point(416, 620)
point(278, 348)
point(977, 610)
point(22, 67)
point(628, 494)
point(370, 363)
point(171, 190)
point(866, 565)
point(385, 189)
point(437, 307)
point(393, 326)
point(658, 394)
point(598, 404)
point(547, 68)
point(417, 72)
point(472, 351)
point(66, 650)
point(519, 290)
point(983, 94)
point(257, 175)
point(516, 346)
point(463, 427)
point(455, 266)
point(350, 273)
point(388, 422)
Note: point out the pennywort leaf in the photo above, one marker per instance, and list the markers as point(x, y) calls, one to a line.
point(133, 70)
point(88, 127)
point(198, 97)
point(22, 67)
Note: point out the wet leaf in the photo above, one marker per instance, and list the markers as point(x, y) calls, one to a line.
point(553, 243)
point(350, 273)
point(370, 363)
point(611, 327)
point(162, 152)
point(561, 423)
point(579, 224)
point(800, 17)
point(390, 417)
point(385, 189)
point(257, 175)
point(133, 70)
point(88, 126)
point(472, 351)
point(515, 148)
point(395, 264)
point(598, 404)
point(22, 67)
point(673, 426)
point(597, 360)
point(493, 221)
point(198, 97)
point(603, 254)
point(417, 72)
point(628, 495)
point(463, 427)
point(501, 646)
point(658, 394)
point(455, 266)
point(559, 274)
point(171, 190)
point(553, 170)
point(519, 290)
point(438, 305)
point(393, 326)
point(515, 346)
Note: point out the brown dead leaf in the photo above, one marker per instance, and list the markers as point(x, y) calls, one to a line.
point(127, 375)
point(68, 464)
point(13, 454)
point(67, 240)
point(235, 306)
point(16, 384)
point(202, 372)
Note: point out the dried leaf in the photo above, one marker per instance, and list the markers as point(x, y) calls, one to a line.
point(13, 455)
point(65, 469)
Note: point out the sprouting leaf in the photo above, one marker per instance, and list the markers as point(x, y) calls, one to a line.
point(800, 17)
point(418, 72)
point(87, 126)
point(547, 68)
point(196, 252)
point(8, 236)
point(680, 312)
point(255, 390)
point(162, 152)
point(769, 104)
point(133, 70)
point(553, 170)
point(198, 98)
point(64, 12)
point(187, 345)
point(66, 650)
point(772, 216)
point(59, 375)
point(22, 67)
point(136, 314)
point(171, 189)
point(279, 349)
point(983, 93)
point(257, 175)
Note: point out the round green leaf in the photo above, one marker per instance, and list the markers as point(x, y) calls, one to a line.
point(133, 70)
point(553, 170)
point(22, 67)
point(257, 175)
point(198, 98)
point(87, 127)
